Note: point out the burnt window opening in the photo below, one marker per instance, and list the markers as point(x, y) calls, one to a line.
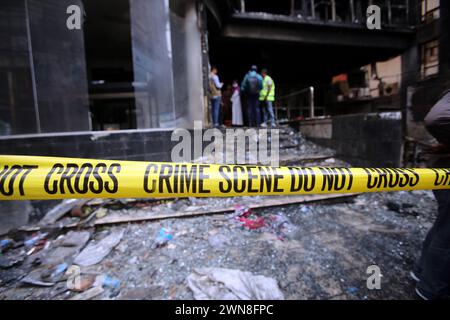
point(429, 59)
point(393, 12)
point(429, 10)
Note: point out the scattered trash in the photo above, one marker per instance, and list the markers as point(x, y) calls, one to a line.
point(5, 244)
point(107, 282)
point(252, 224)
point(110, 282)
point(58, 272)
point(247, 218)
point(211, 206)
point(309, 266)
point(164, 236)
point(36, 239)
point(96, 252)
point(230, 284)
point(36, 243)
point(241, 211)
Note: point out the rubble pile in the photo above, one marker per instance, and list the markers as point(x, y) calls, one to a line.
point(298, 247)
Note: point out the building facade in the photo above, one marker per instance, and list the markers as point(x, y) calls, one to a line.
point(132, 64)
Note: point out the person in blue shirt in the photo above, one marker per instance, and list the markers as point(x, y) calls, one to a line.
point(251, 87)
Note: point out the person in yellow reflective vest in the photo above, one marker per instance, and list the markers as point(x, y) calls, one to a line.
point(267, 97)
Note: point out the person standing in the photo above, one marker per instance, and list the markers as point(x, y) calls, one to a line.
point(215, 95)
point(267, 98)
point(225, 111)
point(236, 109)
point(251, 86)
point(432, 270)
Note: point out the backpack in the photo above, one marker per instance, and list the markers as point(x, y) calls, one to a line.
point(253, 87)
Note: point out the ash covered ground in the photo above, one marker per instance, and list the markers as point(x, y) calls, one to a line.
point(313, 249)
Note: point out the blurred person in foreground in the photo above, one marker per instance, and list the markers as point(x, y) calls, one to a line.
point(432, 270)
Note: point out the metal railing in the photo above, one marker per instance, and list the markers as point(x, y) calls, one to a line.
point(393, 13)
point(296, 101)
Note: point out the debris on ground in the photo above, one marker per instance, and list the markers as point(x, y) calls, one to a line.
point(64, 247)
point(229, 284)
point(248, 218)
point(281, 226)
point(163, 237)
point(311, 247)
point(402, 208)
point(5, 244)
point(60, 210)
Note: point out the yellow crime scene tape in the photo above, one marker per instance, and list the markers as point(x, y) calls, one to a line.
point(36, 178)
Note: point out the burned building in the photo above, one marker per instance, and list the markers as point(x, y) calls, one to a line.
point(359, 90)
point(112, 79)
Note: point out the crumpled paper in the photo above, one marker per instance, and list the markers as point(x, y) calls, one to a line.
point(230, 284)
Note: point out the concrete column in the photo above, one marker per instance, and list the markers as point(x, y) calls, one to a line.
point(194, 64)
point(59, 66)
point(46, 68)
point(152, 63)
